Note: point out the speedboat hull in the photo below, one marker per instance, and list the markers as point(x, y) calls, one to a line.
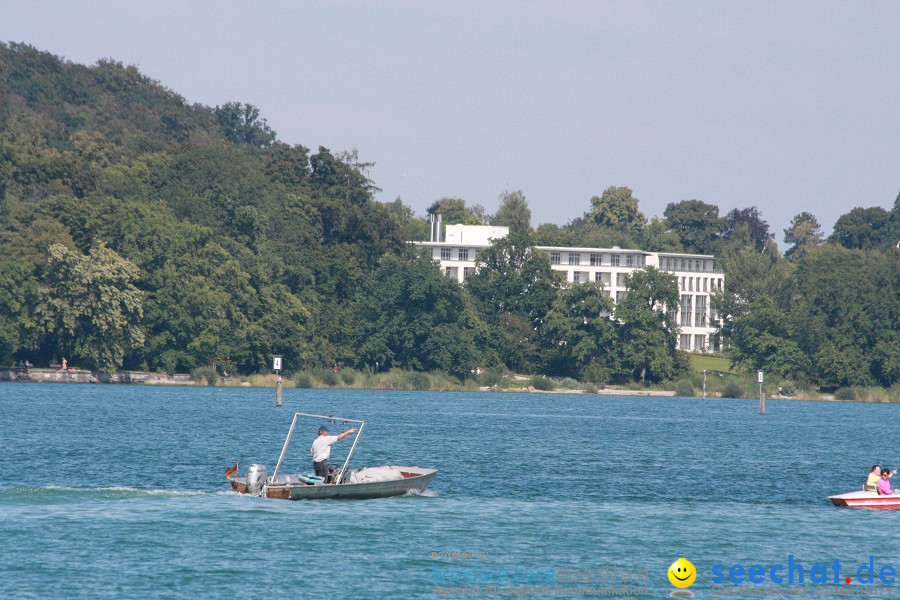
point(865, 500)
point(415, 480)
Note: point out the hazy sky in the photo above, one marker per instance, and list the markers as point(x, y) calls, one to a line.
point(788, 106)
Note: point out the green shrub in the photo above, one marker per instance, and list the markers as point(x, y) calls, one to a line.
point(490, 378)
point(596, 374)
point(844, 394)
point(788, 388)
point(348, 376)
point(732, 390)
point(417, 380)
point(328, 377)
point(205, 375)
point(303, 379)
point(542, 383)
point(569, 384)
point(684, 388)
point(590, 388)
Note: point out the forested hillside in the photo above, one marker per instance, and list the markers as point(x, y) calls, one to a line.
point(141, 231)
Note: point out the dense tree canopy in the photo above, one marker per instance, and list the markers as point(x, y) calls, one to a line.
point(90, 307)
point(697, 225)
point(513, 212)
point(141, 231)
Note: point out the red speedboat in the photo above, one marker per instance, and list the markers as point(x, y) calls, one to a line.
point(866, 500)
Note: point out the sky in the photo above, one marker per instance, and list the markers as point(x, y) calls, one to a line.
point(788, 106)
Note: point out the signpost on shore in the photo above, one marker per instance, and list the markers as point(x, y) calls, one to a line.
point(704, 384)
point(276, 366)
point(762, 397)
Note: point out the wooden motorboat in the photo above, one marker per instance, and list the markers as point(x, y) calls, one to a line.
point(866, 500)
point(379, 482)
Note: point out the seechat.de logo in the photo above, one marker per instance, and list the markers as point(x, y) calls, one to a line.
point(682, 574)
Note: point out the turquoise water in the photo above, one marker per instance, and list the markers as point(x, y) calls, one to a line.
point(119, 491)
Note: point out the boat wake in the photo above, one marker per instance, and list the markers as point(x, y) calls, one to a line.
point(54, 493)
point(426, 493)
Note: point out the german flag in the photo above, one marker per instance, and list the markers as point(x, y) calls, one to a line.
point(232, 470)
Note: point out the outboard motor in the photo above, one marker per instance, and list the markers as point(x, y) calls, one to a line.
point(256, 478)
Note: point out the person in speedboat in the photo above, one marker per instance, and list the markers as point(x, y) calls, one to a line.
point(321, 450)
point(884, 484)
point(875, 477)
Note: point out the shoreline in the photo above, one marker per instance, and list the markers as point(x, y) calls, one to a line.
point(35, 375)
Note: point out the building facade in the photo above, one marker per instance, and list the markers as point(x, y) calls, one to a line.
point(698, 275)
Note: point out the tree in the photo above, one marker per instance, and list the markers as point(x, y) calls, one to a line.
point(658, 238)
point(805, 233)
point(13, 293)
point(288, 165)
point(580, 327)
point(696, 223)
point(647, 326)
point(513, 212)
point(90, 305)
point(867, 228)
point(413, 317)
point(514, 287)
point(341, 176)
point(454, 210)
point(241, 124)
point(764, 340)
point(845, 312)
point(749, 275)
point(618, 209)
point(746, 224)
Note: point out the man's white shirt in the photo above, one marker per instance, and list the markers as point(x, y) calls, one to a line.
point(321, 447)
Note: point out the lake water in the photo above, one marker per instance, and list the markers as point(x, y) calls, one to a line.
point(119, 491)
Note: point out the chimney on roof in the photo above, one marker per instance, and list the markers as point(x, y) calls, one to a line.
point(435, 235)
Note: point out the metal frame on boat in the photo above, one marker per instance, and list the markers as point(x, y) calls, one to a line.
point(304, 487)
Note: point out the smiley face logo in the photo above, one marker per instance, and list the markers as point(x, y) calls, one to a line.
point(682, 573)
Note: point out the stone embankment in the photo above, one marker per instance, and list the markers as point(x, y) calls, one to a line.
point(82, 376)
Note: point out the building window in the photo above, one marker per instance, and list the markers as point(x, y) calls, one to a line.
point(448, 271)
point(685, 341)
point(699, 342)
point(574, 258)
point(598, 276)
point(690, 284)
point(463, 253)
point(468, 272)
point(683, 266)
point(614, 260)
point(700, 312)
point(596, 259)
point(620, 296)
point(706, 284)
point(686, 311)
point(445, 253)
point(629, 260)
point(620, 279)
point(554, 258)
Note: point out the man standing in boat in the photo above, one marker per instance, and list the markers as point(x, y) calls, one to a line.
point(321, 450)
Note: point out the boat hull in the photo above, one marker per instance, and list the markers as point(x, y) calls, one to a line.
point(415, 480)
point(865, 500)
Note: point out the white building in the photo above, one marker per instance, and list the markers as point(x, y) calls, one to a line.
point(697, 274)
